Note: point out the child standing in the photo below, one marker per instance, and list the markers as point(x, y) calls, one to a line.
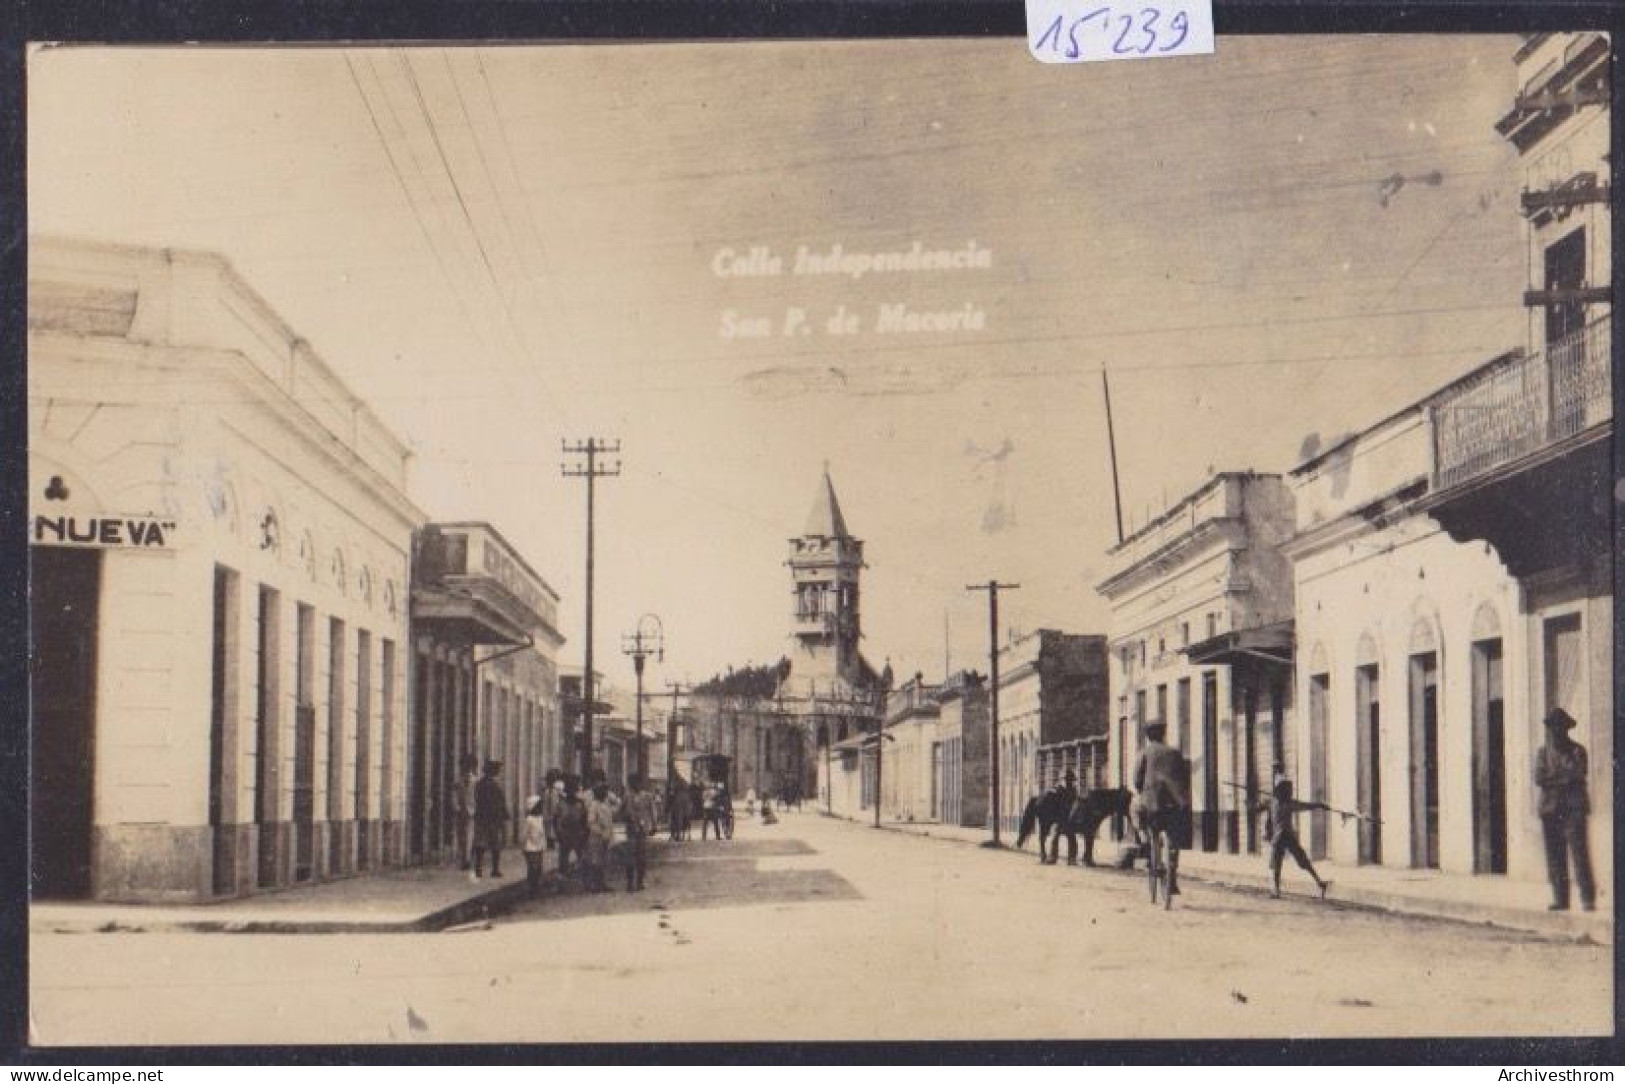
point(534, 843)
point(1281, 808)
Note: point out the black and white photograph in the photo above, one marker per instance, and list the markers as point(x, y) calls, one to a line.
point(880, 539)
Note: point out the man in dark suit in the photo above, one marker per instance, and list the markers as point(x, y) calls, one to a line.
point(1565, 807)
point(490, 818)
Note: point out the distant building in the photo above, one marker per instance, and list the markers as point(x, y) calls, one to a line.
point(1201, 639)
point(219, 544)
point(961, 764)
point(485, 672)
point(1052, 688)
point(906, 774)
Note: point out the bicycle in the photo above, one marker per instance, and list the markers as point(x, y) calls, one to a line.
point(1156, 865)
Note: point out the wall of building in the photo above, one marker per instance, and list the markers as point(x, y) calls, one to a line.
point(286, 483)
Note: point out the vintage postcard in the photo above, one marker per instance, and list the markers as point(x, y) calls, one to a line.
point(829, 539)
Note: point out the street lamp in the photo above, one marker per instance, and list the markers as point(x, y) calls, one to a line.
point(640, 644)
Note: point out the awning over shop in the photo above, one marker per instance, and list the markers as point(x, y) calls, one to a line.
point(1267, 644)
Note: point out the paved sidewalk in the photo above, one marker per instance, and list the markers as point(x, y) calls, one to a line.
point(412, 899)
point(1494, 901)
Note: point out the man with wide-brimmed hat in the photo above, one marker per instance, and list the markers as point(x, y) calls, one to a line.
point(490, 819)
point(1560, 773)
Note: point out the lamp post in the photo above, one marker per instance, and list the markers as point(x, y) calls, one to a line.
point(640, 644)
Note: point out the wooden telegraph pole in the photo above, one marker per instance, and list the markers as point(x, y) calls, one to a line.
point(993, 587)
point(591, 470)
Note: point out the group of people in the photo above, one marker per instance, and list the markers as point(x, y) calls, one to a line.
point(578, 824)
point(1162, 803)
point(712, 802)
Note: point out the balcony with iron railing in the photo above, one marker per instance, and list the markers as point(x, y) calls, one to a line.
point(1521, 405)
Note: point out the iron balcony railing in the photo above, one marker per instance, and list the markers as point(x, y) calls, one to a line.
point(1518, 406)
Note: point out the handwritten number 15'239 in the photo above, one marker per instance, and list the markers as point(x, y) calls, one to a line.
point(1136, 34)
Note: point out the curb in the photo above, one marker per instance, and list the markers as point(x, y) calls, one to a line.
point(1583, 931)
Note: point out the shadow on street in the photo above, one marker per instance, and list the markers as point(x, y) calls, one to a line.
point(695, 876)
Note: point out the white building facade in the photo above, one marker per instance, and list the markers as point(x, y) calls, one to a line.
point(1200, 639)
point(219, 547)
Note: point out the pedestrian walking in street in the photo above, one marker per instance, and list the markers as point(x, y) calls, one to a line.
point(462, 808)
point(552, 793)
point(640, 824)
point(490, 819)
point(534, 843)
point(600, 834)
point(1561, 771)
point(571, 826)
point(677, 810)
point(1280, 810)
point(710, 812)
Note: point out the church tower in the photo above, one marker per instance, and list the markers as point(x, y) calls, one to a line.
point(825, 563)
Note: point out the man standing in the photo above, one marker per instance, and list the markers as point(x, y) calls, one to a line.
point(1063, 798)
point(710, 810)
point(1162, 778)
point(490, 819)
point(640, 824)
point(600, 834)
point(1560, 773)
point(462, 808)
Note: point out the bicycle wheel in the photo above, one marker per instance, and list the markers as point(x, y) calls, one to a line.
point(1167, 877)
point(1153, 862)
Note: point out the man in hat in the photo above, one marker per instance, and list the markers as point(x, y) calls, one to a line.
point(1062, 798)
point(640, 825)
point(462, 807)
point(1560, 773)
point(1162, 781)
point(490, 818)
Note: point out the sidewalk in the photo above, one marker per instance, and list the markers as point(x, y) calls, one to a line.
point(413, 899)
point(1492, 901)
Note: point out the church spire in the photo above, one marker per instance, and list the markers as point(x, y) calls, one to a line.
point(825, 519)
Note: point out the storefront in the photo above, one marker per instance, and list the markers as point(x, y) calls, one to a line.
point(219, 543)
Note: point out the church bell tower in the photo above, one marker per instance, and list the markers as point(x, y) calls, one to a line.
point(825, 563)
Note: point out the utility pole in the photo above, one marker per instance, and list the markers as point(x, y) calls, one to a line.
point(880, 760)
point(591, 470)
point(640, 645)
point(677, 689)
point(993, 587)
point(1111, 445)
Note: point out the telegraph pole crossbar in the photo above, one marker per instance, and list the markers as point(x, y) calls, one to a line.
point(993, 587)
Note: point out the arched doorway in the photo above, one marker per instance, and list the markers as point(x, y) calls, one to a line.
point(1368, 748)
point(1423, 679)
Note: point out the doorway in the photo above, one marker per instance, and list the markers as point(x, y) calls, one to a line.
point(1368, 762)
point(1424, 681)
point(1210, 761)
point(304, 745)
point(1489, 761)
point(1319, 703)
point(64, 592)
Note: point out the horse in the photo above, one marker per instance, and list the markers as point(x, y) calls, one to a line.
point(1082, 816)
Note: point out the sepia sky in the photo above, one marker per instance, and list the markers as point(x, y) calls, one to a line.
point(503, 247)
